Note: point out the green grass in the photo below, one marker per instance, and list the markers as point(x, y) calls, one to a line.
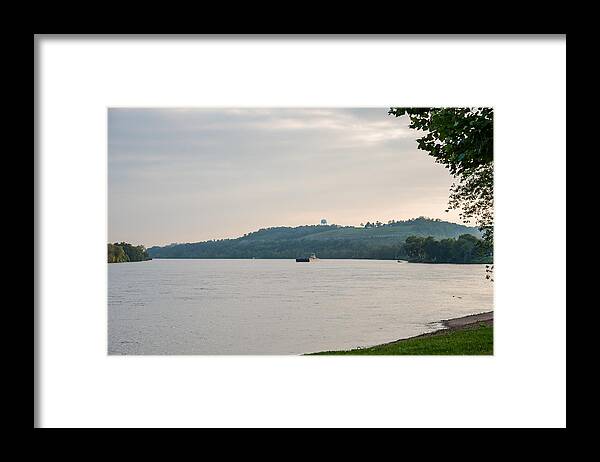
point(477, 340)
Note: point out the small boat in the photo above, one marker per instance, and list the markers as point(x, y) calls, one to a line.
point(307, 259)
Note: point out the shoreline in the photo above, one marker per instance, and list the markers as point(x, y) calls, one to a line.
point(487, 317)
point(449, 326)
point(320, 258)
point(453, 324)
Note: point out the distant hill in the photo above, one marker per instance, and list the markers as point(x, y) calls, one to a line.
point(375, 241)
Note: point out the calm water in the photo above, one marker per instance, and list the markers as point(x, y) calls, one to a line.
point(280, 306)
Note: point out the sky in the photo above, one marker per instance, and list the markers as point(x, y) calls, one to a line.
point(188, 175)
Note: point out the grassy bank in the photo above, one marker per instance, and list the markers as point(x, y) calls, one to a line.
point(477, 339)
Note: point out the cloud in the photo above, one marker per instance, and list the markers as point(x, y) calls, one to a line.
point(192, 174)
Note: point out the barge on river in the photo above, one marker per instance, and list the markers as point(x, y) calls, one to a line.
point(307, 259)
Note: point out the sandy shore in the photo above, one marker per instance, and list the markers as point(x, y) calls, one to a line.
point(449, 325)
point(466, 321)
point(463, 322)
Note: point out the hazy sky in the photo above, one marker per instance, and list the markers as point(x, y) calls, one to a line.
point(187, 175)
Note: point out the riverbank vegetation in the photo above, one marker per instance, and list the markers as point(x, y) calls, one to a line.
point(466, 249)
point(474, 340)
point(123, 252)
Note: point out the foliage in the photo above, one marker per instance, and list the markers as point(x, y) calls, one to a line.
point(331, 241)
point(116, 254)
point(477, 340)
point(462, 140)
point(124, 252)
point(466, 249)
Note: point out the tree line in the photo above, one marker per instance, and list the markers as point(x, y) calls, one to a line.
point(120, 252)
point(379, 224)
point(466, 249)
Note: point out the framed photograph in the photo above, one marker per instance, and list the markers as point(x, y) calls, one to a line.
point(300, 231)
point(214, 214)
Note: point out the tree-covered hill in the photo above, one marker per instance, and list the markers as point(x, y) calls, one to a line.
point(372, 240)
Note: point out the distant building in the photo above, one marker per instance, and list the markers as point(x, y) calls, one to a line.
point(323, 221)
